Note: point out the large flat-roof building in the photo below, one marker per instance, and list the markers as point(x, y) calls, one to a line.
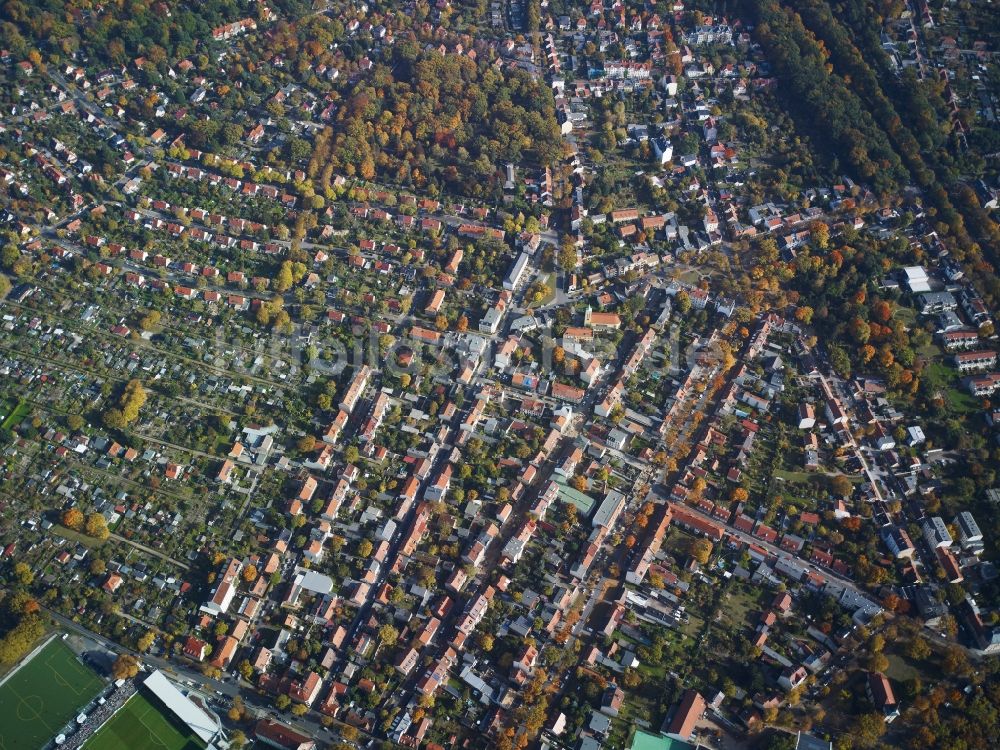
point(516, 272)
point(609, 509)
point(916, 279)
point(309, 581)
point(199, 721)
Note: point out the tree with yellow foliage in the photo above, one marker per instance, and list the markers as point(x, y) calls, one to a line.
point(701, 550)
point(125, 666)
point(97, 527)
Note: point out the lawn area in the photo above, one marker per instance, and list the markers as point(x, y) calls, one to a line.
point(943, 378)
point(800, 477)
point(676, 542)
point(639, 709)
point(12, 414)
point(690, 276)
point(38, 700)
point(737, 605)
point(900, 668)
point(550, 282)
point(693, 626)
point(76, 536)
point(806, 477)
point(907, 315)
point(141, 723)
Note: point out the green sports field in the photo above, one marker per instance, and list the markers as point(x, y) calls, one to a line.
point(140, 723)
point(42, 696)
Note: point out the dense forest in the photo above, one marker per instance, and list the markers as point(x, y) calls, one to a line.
point(20, 623)
point(116, 32)
point(833, 88)
point(438, 122)
point(919, 124)
point(823, 101)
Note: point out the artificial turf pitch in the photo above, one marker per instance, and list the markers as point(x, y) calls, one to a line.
point(140, 723)
point(41, 697)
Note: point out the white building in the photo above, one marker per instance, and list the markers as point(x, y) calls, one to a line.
point(490, 322)
point(618, 439)
point(936, 532)
point(968, 531)
point(193, 716)
point(916, 279)
point(225, 589)
point(516, 273)
point(663, 149)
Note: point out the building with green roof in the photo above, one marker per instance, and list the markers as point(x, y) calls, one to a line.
point(646, 741)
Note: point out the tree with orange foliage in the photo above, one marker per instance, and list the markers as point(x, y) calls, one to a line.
point(882, 311)
point(886, 357)
point(72, 519)
point(852, 523)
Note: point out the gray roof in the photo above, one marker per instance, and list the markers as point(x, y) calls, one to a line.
point(313, 581)
point(809, 742)
point(968, 525)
